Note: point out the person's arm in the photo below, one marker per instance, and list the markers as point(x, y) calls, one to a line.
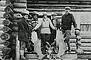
point(74, 22)
point(61, 22)
point(38, 25)
point(51, 25)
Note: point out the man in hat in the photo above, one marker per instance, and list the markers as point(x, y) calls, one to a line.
point(67, 21)
point(23, 33)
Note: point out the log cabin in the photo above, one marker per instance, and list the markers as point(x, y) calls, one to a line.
point(81, 9)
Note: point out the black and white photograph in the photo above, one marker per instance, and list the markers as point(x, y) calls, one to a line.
point(45, 29)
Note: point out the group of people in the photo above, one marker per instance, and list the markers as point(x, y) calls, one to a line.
point(48, 30)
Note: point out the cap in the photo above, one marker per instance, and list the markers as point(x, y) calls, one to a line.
point(67, 8)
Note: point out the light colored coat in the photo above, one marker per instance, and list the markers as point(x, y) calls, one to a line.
point(45, 24)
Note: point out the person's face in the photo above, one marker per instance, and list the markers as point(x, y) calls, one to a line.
point(30, 16)
point(35, 16)
point(67, 11)
point(45, 16)
point(26, 16)
point(53, 17)
point(18, 15)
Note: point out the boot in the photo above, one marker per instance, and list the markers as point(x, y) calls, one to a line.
point(22, 55)
point(68, 47)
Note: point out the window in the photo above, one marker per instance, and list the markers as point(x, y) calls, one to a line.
point(85, 27)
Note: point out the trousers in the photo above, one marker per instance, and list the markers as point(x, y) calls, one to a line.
point(67, 34)
point(44, 38)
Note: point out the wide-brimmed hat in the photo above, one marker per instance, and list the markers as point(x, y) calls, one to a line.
point(44, 14)
point(67, 8)
point(35, 14)
point(25, 12)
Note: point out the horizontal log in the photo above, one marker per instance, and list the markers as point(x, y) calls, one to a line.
point(87, 52)
point(82, 37)
point(70, 56)
point(82, 44)
point(52, 59)
point(57, 5)
point(52, 2)
point(72, 52)
point(32, 59)
point(58, 10)
point(86, 45)
point(86, 40)
point(65, 0)
point(84, 56)
point(2, 8)
point(20, 5)
point(73, 48)
point(61, 2)
point(20, 9)
point(86, 37)
point(83, 48)
point(21, 1)
point(82, 40)
point(2, 3)
point(1, 14)
point(87, 33)
point(31, 56)
point(72, 40)
point(86, 48)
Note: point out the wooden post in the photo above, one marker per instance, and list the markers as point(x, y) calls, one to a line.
point(17, 48)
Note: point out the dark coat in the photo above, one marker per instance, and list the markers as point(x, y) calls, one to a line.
point(67, 21)
point(23, 32)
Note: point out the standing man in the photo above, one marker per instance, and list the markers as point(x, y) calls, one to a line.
point(23, 34)
point(67, 21)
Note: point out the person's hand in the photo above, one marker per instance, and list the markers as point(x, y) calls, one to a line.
point(75, 28)
point(55, 28)
point(33, 29)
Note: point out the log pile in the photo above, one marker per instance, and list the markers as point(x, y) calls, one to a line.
point(2, 7)
point(85, 47)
